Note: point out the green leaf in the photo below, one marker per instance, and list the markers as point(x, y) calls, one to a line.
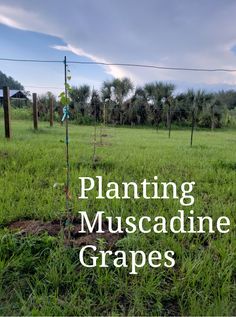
point(64, 100)
point(61, 94)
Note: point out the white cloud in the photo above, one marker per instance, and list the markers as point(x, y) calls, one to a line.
point(12, 18)
point(21, 18)
point(166, 33)
point(113, 70)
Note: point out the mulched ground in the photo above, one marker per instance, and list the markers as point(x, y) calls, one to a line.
point(76, 239)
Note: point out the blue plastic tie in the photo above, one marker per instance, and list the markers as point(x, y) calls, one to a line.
point(66, 114)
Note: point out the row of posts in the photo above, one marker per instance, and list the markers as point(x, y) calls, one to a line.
point(7, 119)
point(7, 115)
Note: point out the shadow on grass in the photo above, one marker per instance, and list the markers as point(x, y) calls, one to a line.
point(93, 165)
point(230, 166)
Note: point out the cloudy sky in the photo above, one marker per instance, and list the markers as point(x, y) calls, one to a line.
point(183, 33)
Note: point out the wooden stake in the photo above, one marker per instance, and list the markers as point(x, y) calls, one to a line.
point(193, 124)
point(169, 120)
point(51, 112)
point(212, 118)
point(104, 114)
point(6, 107)
point(35, 111)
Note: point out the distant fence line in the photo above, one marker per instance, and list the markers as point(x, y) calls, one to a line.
point(169, 113)
point(7, 112)
point(35, 110)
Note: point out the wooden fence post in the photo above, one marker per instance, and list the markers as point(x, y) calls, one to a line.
point(35, 111)
point(192, 129)
point(51, 112)
point(169, 120)
point(6, 108)
point(212, 118)
point(104, 113)
point(193, 119)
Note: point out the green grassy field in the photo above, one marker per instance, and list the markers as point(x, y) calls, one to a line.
point(41, 277)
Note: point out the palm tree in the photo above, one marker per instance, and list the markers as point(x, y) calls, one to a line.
point(106, 97)
point(198, 101)
point(159, 94)
point(167, 90)
point(122, 88)
point(137, 111)
point(210, 111)
point(154, 100)
point(106, 91)
point(216, 108)
point(95, 105)
point(116, 91)
point(79, 97)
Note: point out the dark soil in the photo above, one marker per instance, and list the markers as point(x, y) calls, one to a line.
point(71, 232)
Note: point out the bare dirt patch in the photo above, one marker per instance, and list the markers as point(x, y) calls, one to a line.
point(71, 232)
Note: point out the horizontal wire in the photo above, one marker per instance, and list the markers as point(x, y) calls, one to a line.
point(155, 66)
point(192, 69)
point(30, 60)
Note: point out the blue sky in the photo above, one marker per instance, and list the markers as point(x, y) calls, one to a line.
point(183, 33)
point(43, 77)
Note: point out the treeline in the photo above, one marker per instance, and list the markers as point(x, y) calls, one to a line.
point(10, 82)
point(156, 104)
